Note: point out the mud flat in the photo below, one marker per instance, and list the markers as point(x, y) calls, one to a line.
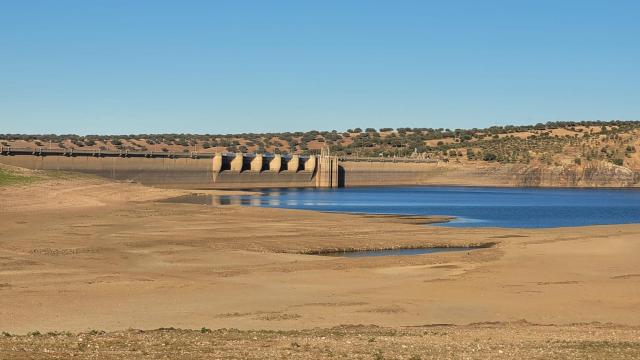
point(78, 254)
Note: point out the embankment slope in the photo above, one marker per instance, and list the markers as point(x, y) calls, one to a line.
point(591, 174)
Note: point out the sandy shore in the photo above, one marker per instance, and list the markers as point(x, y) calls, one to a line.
point(89, 254)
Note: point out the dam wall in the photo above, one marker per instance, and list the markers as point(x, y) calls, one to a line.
point(183, 173)
point(186, 171)
point(245, 171)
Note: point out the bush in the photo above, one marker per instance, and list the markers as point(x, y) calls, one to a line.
point(489, 156)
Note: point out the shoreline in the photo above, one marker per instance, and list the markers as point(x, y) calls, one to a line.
point(634, 187)
point(452, 185)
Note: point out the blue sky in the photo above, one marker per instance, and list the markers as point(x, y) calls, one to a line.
point(139, 66)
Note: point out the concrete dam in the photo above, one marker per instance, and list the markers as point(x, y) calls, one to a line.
point(185, 170)
point(245, 171)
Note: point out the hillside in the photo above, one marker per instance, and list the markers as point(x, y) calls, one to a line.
point(551, 144)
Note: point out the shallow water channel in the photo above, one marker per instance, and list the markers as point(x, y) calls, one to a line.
point(397, 252)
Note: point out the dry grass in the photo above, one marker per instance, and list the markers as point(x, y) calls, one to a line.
point(9, 178)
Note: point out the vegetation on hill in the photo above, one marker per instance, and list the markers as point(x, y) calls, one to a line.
point(550, 143)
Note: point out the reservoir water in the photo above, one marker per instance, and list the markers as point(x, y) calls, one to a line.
point(472, 206)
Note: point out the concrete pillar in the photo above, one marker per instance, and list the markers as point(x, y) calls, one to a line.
point(216, 166)
point(256, 163)
point(327, 174)
point(275, 164)
point(217, 163)
point(237, 162)
point(334, 172)
point(310, 164)
point(321, 174)
point(293, 164)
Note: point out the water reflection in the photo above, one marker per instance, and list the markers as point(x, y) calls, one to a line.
point(221, 200)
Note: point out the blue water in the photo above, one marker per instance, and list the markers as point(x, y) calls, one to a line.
point(473, 206)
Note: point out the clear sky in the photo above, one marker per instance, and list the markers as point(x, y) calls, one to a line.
point(105, 67)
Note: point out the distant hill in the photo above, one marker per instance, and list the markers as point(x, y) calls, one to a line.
point(552, 143)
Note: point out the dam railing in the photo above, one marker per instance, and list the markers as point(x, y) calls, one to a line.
point(10, 151)
point(41, 151)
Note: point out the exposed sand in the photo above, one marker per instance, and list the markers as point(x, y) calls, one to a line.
point(90, 254)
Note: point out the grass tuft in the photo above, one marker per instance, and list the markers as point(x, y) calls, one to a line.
point(9, 178)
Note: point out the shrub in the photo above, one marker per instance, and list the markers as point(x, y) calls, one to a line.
point(489, 156)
